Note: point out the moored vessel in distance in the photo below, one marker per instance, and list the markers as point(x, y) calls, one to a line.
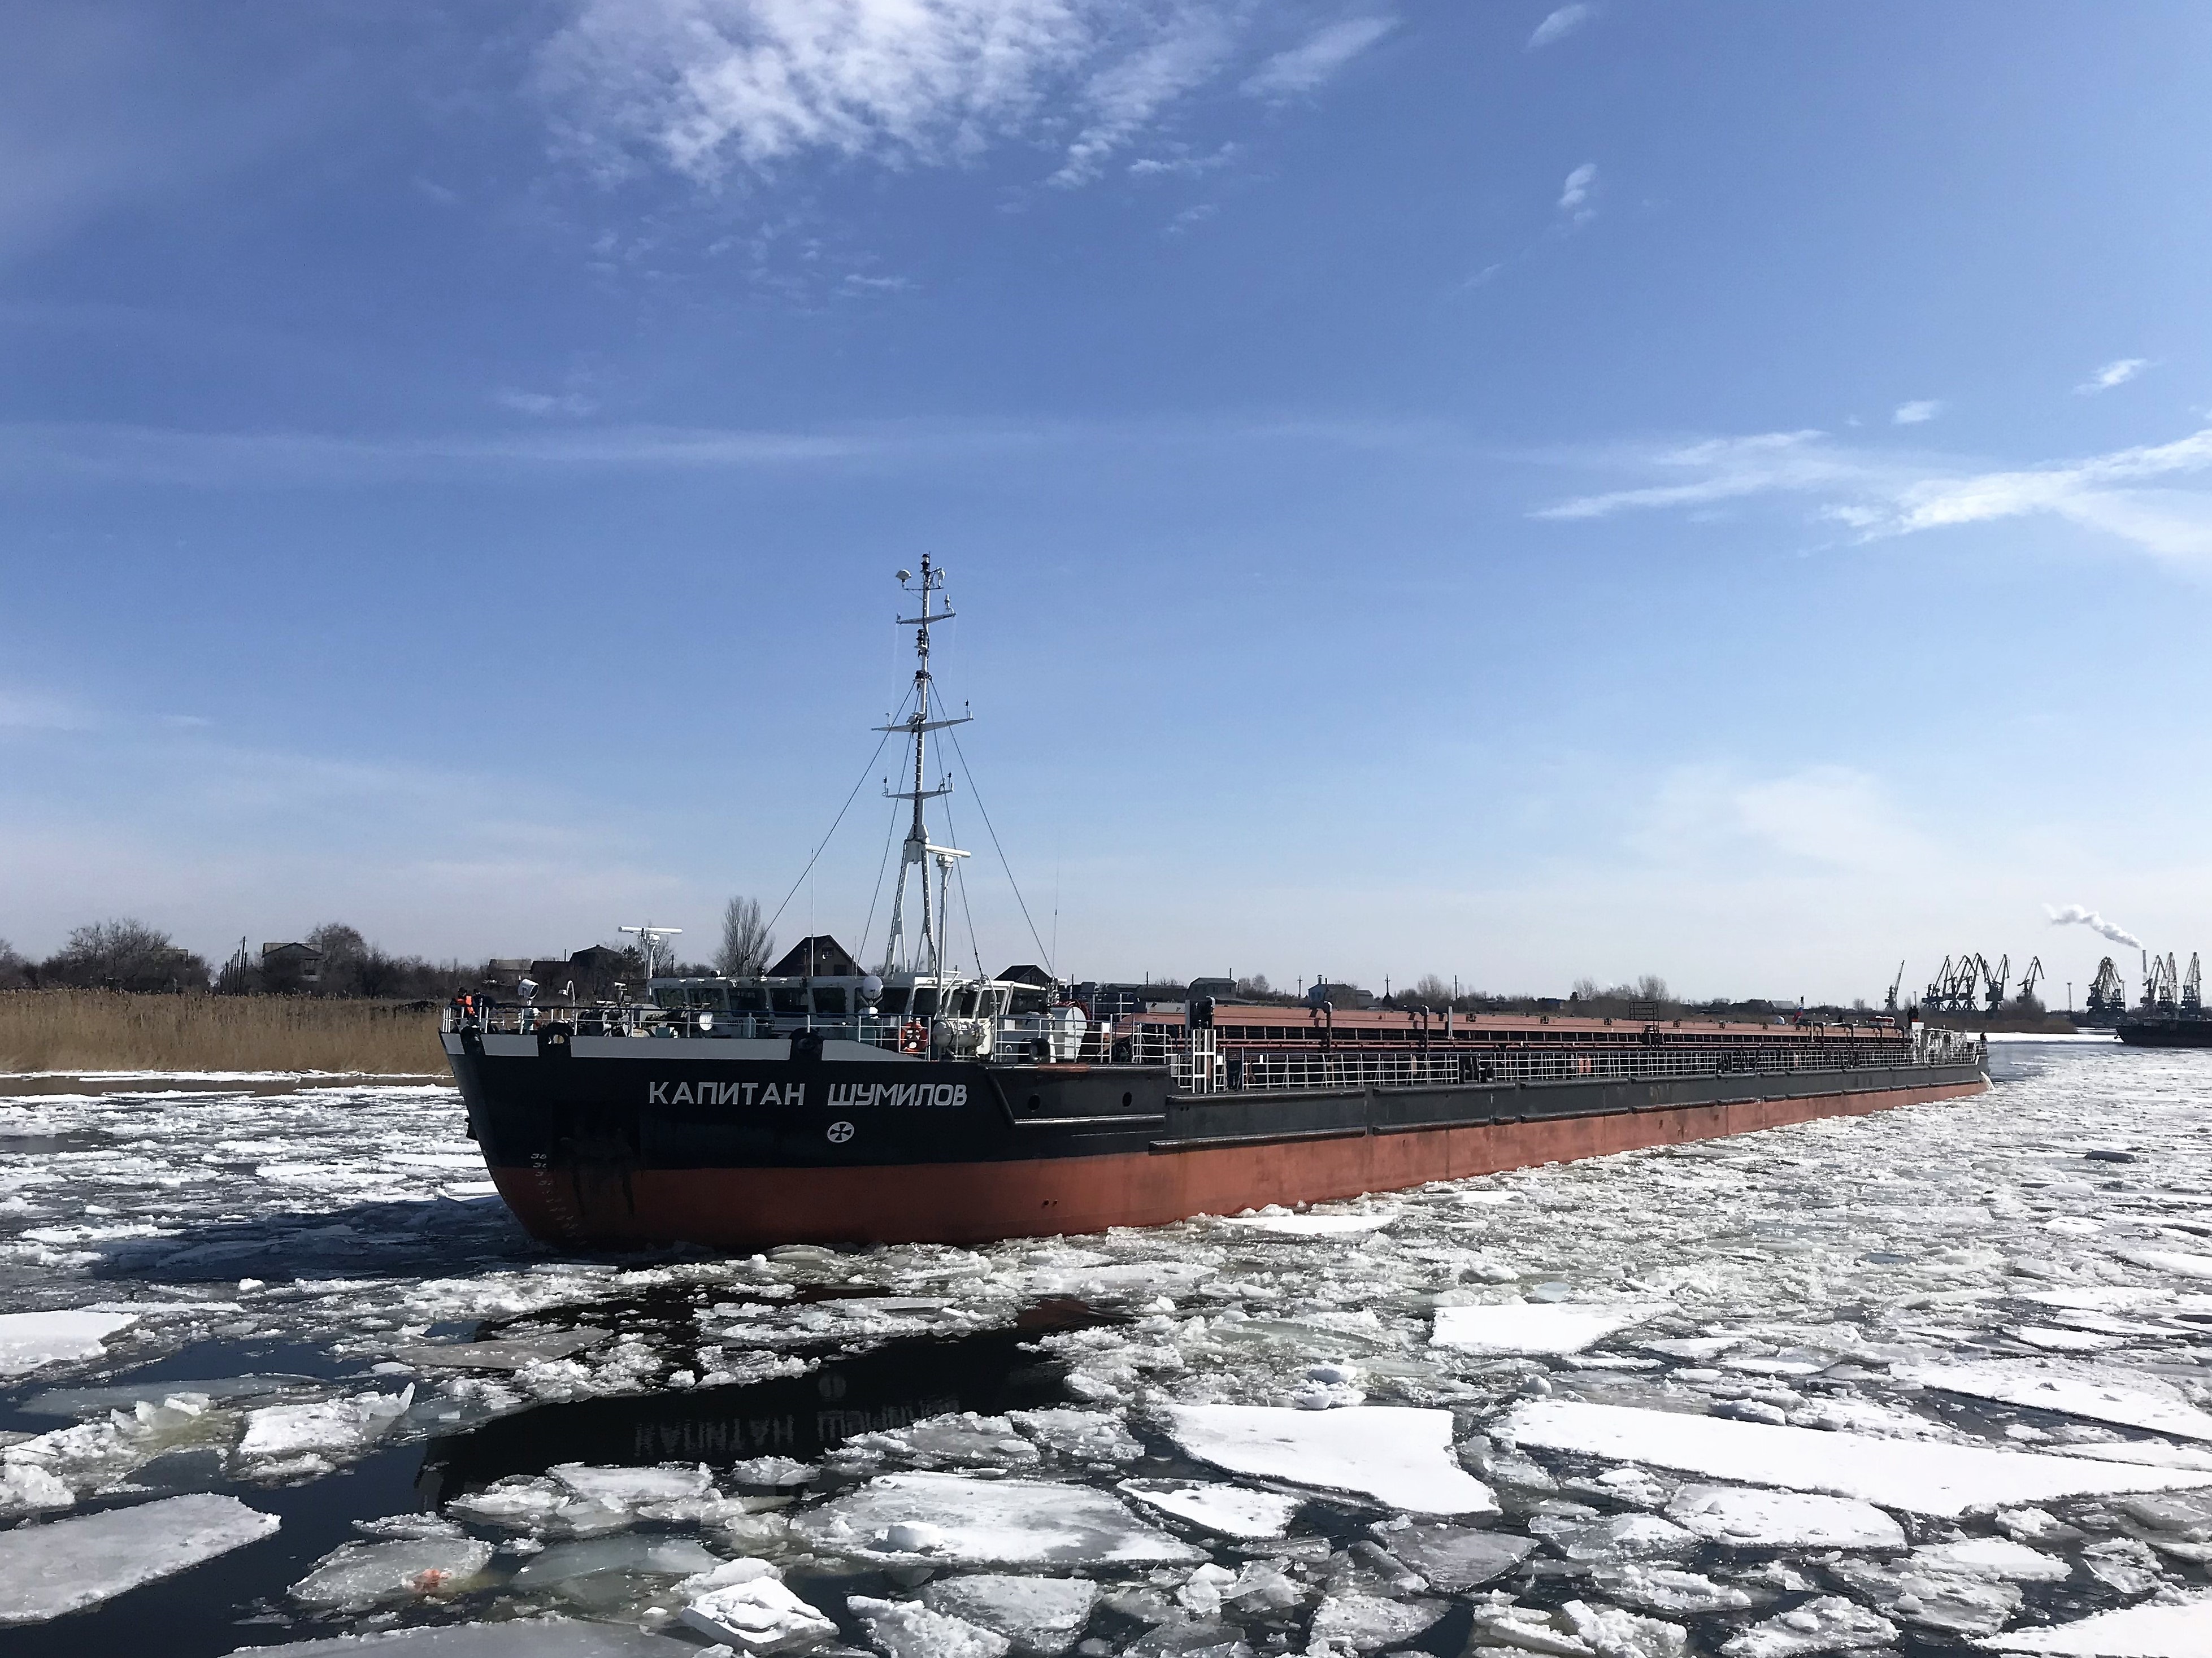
point(825, 1102)
point(2171, 1014)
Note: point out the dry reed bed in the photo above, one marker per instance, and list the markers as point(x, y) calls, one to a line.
point(109, 1031)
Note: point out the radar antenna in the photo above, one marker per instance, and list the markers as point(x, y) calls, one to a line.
point(926, 954)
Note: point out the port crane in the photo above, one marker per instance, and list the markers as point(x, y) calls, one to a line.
point(2107, 993)
point(2161, 985)
point(1994, 980)
point(2192, 987)
point(2032, 977)
point(1889, 1002)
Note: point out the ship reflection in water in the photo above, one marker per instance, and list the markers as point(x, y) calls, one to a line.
point(802, 1417)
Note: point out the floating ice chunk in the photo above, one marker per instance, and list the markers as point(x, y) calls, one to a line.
point(1529, 1629)
point(29, 1341)
point(1287, 1224)
point(2054, 1340)
point(1831, 1624)
point(2100, 1297)
point(1042, 1617)
point(1095, 1435)
point(67, 1565)
point(1664, 1588)
point(1368, 1622)
point(1918, 1477)
point(985, 1522)
point(2155, 1452)
point(1955, 1603)
point(1225, 1510)
point(335, 1427)
point(2180, 1630)
point(356, 1576)
point(772, 1472)
point(1618, 1537)
point(1400, 1456)
point(668, 1557)
point(624, 1488)
point(748, 1605)
point(1453, 1558)
point(1779, 1519)
point(1992, 1556)
point(903, 1630)
point(520, 1637)
point(2170, 1261)
point(2099, 1392)
point(1692, 1347)
point(1612, 1633)
point(509, 1354)
point(1518, 1327)
point(961, 1439)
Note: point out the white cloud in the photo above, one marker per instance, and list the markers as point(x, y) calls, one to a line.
point(573, 404)
point(1915, 414)
point(1825, 815)
point(1557, 25)
point(1305, 66)
point(2116, 373)
point(1574, 194)
point(714, 88)
point(2122, 493)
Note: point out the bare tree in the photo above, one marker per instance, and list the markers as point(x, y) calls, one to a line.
point(1652, 989)
point(747, 945)
point(1430, 991)
point(14, 971)
point(125, 955)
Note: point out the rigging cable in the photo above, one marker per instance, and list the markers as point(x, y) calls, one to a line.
point(839, 818)
point(960, 870)
point(874, 898)
point(1001, 851)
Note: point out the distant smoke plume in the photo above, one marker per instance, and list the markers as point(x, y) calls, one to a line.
point(2075, 915)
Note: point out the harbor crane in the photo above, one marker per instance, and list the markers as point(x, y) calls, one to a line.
point(2107, 993)
point(2192, 987)
point(1889, 1002)
point(2161, 985)
point(2032, 977)
point(1994, 980)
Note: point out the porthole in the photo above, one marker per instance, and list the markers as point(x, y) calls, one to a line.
point(1127, 1099)
point(1034, 1102)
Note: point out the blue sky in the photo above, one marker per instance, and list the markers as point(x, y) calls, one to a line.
point(1500, 489)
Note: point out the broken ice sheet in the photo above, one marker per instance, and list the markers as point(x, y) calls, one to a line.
point(281, 1440)
point(1520, 1327)
point(952, 1519)
point(1953, 1603)
point(1368, 1622)
point(1830, 1624)
point(1453, 1558)
point(29, 1341)
point(357, 1576)
point(1087, 1435)
point(1310, 1224)
point(1918, 1477)
point(2099, 1393)
point(904, 1630)
point(1042, 1617)
point(1667, 1588)
point(1742, 1518)
point(1401, 1457)
point(2180, 1629)
point(747, 1604)
point(1225, 1510)
point(62, 1565)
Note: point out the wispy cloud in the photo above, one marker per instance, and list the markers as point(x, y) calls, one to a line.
point(1305, 66)
point(1574, 194)
point(1827, 815)
point(573, 404)
point(2130, 494)
point(2078, 915)
point(2118, 372)
point(714, 89)
point(1916, 414)
point(1557, 25)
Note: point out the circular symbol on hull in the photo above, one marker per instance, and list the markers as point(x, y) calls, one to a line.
point(840, 1133)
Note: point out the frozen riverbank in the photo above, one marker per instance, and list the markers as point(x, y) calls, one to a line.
point(1901, 1382)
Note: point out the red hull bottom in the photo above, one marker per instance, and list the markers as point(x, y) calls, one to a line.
point(979, 1202)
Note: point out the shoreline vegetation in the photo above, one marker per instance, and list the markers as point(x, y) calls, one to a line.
point(79, 1030)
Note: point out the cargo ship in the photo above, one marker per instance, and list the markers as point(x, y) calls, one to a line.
point(917, 1103)
point(2171, 1014)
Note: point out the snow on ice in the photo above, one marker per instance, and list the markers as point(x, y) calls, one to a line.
point(1400, 1458)
point(2182, 1629)
point(64, 1565)
point(1226, 1510)
point(1918, 1478)
point(29, 1341)
point(1516, 1327)
point(953, 1519)
point(2099, 1392)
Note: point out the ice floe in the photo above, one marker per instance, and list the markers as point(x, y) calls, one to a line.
point(29, 1341)
point(1225, 1510)
point(355, 1576)
point(1518, 1327)
point(2100, 1393)
point(1312, 1223)
point(1919, 1478)
point(746, 1604)
point(955, 1520)
point(900, 1629)
point(2181, 1628)
point(64, 1565)
point(1830, 1624)
point(1042, 1617)
point(1742, 1518)
point(285, 1441)
point(1399, 1457)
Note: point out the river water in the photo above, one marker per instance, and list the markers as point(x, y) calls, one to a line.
point(290, 1289)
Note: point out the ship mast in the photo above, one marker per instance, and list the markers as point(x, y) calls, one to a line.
point(927, 953)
